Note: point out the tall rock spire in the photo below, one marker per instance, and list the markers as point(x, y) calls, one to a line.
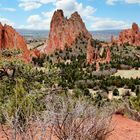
point(90, 53)
point(63, 31)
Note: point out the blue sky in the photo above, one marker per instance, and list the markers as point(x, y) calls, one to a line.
point(97, 14)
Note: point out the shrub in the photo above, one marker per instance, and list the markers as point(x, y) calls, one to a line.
point(77, 92)
point(87, 93)
point(138, 91)
point(133, 87)
point(76, 119)
point(21, 105)
point(115, 92)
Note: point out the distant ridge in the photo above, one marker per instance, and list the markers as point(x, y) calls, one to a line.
point(103, 35)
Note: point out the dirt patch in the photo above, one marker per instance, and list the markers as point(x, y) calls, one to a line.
point(124, 129)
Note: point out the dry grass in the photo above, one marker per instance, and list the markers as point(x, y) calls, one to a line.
point(66, 119)
point(128, 73)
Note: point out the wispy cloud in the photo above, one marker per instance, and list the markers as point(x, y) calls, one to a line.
point(108, 24)
point(28, 5)
point(132, 1)
point(6, 21)
point(69, 6)
point(113, 2)
point(8, 9)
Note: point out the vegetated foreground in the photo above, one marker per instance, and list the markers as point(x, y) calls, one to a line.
point(69, 87)
point(123, 129)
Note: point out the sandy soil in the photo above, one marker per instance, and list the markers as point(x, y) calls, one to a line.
point(128, 73)
point(124, 129)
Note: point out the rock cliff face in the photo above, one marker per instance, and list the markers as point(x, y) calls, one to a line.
point(1, 27)
point(94, 55)
point(10, 39)
point(63, 31)
point(130, 36)
point(90, 52)
point(108, 55)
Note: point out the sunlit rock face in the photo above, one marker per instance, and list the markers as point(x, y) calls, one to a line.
point(64, 32)
point(130, 36)
point(35, 53)
point(108, 55)
point(10, 39)
point(90, 52)
point(1, 28)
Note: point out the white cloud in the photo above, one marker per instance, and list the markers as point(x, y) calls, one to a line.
point(108, 24)
point(71, 6)
point(8, 9)
point(41, 1)
point(113, 2)
point(42, 21)
point(132, 1)
point(6, 21)
point(36, 22)
point(47, 1)
point(68, 6)
point(29, 5)
point(48, 14)
point(33, 19)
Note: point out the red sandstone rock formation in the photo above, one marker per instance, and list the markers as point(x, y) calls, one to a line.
point(108, 56)
point(135, 27)
point(112, 39)
point(93, 55)
point(130, 36)
point(10, 39)
point(63, 31)
point(97, 66)
point(35, 53)
point(1, 27)
point(90, 54)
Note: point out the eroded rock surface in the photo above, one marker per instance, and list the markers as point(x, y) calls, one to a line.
point(12, 40)
point(130, 36)
point(90, 52)
point(63, 31)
